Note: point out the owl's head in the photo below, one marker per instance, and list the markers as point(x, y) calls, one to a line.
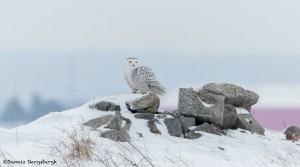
point(132, 63)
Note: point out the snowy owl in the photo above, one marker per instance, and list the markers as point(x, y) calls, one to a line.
point(140, 78)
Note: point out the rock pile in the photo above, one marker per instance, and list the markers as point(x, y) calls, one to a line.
point(211, 109)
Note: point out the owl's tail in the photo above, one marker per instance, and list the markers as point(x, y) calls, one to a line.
point(157, 88)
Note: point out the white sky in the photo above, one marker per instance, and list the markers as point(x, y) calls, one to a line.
point(171, 26)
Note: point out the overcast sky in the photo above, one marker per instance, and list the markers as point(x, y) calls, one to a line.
point(73, 49)
point(171, 26)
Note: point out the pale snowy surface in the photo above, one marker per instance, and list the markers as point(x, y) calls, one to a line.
point(236, 149)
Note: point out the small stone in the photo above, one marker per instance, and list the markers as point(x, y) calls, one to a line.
point(174, 126)
point(153, 127)
point(209, 128)
point(106, 106)
point(146, 116)
point(193, 135)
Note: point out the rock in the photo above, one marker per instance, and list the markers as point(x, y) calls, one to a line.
point(127, 124)
point(205, 127)
point(193, 135)
point(174, 126)
point(153, 127)
point(146, 116)
point(175, 114)
point(190, 105)
point(234, 95)
point(292, 133)
point(116, 121)
point(162, 116)
point(208, 128)
point(106, 106)
point(229, 117)
point(98, 122)
point(248, 122)
point(186, 123)
point(146, 104)
point(120, 135)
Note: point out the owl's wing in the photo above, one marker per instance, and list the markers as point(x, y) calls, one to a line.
point(146, 75)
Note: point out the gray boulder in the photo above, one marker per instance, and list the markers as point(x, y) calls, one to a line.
point(174, 126)
point(234, 95)
point(146, 104)
point(186, 123)
point(153, 128)
point(146, 116)
point(98, 122)
point(190, 105)
point(248, 122)
point(106, 106)
point(205, 127)
point(292, 133)
point(120, 135)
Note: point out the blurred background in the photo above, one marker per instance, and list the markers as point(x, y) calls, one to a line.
point(56, 55)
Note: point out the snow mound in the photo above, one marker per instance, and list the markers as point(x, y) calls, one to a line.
point(36, 140)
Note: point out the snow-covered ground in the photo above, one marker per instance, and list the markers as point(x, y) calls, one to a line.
point(38, 140)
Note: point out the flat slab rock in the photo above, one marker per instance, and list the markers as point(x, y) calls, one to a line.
point(146, 116)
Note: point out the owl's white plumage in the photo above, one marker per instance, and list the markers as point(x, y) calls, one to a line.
point(141, 79)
